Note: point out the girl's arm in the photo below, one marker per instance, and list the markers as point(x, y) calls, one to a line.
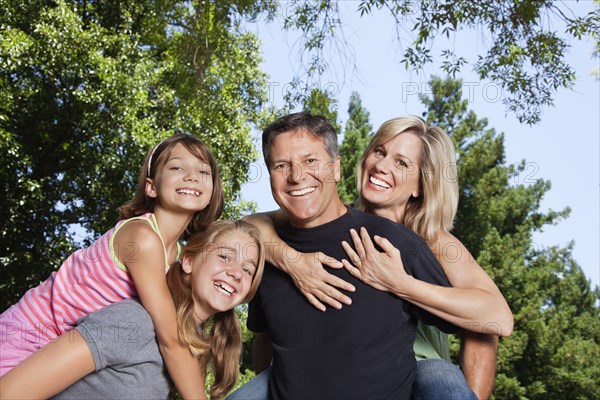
point(474, 303)
point(141, 250)
point(50, 370)
point(305, 269)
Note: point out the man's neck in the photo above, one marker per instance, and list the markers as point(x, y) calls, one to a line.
point(335, 210)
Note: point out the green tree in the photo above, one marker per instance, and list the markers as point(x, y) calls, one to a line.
point(356, 137)
point(87, 87)
point(524, 48)
point(553, 351)
point(321, 102)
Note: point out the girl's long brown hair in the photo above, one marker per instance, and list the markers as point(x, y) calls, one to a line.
point(217, 343)
point(141, 203)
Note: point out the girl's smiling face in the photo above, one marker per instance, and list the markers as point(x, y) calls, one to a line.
point(183, 182)
point(221, 276)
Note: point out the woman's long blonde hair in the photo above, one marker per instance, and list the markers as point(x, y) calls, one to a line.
point(217, 343)
point(141, 203)
point(435, 208)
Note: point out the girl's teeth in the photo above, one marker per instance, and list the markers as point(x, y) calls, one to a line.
point(224, 288)
point(187, 191)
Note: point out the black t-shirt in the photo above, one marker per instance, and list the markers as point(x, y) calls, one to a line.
point(363, 351)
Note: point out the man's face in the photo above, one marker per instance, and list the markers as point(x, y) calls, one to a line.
point(303, 179)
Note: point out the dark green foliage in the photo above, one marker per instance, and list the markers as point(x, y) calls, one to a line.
point(86, 88)
point(356, 137)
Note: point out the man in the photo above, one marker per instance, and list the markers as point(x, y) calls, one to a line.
point(359, 352)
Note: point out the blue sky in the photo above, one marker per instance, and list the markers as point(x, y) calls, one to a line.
point(563, 148)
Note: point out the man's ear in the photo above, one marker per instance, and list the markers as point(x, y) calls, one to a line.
point(337, 174)
point(186, 264)
point(150, 189)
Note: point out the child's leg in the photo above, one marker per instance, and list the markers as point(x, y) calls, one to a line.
point(18, 339)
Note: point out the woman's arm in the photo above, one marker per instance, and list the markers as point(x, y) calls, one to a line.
point(49, 370)
point(305, 269)
point(147, 269)
point(474, 303)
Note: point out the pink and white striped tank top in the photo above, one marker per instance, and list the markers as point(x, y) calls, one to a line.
point(91, 278)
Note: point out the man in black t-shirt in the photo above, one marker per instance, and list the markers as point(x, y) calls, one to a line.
point(359, 352)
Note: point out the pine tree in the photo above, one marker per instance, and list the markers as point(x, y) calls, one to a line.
point(356, 137)
point(320, 102)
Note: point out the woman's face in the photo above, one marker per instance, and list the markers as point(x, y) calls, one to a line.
point(391, 175)
point(221, 276)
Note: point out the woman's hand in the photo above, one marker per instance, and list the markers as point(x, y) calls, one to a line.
point(315, 283)
point(382, 270)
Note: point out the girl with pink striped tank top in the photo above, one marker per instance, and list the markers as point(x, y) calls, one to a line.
point(179, 193)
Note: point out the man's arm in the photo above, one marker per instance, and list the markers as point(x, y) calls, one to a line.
point(306, 269)
point(478, 362)
point(262, 352)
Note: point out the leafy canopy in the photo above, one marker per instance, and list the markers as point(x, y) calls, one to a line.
point(525, 43)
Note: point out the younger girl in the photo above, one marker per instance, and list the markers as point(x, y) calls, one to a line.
point(220, 269)
point(179, 193)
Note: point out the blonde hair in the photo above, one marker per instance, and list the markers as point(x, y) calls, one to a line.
point(435, 208)
point(141, 203)
point(217, 343)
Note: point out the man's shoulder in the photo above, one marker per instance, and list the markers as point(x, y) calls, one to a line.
point(383, 226)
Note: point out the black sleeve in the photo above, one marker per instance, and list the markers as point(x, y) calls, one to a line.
point(420, 262)
point(257, 322)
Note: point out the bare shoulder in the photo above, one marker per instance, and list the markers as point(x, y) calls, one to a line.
point(138, 234)
point(444, 242)
point(446, 238)
point(449, 250)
